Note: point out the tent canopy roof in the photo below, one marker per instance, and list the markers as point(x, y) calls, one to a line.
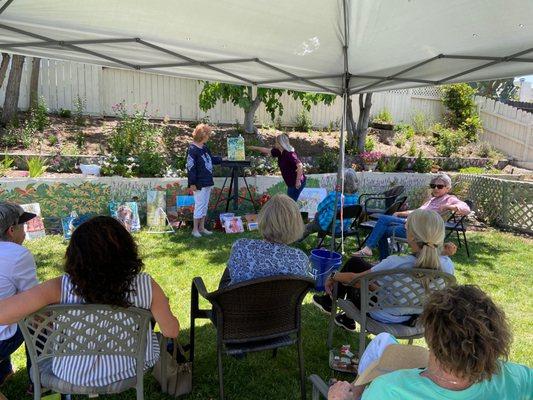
point(296, 44)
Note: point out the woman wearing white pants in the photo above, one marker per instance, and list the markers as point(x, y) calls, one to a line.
point(200, 176)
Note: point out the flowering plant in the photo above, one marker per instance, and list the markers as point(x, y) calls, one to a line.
point(263, 199)
point(370, 157)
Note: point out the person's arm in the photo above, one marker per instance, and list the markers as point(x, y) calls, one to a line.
point(402, 214)
point(16, 307)
point(192, 172)
point(344, 278)
point(214, 159)
point(168, 323)
point(265, 150)
point(299, 174)
point(453, 204)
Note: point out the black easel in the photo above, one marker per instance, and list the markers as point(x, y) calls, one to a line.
point(236, 172)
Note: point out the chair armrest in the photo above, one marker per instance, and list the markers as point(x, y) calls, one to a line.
point(377, 198)
point(320, 385)
point(198, 283)
point(198, 287)
point(366, 194)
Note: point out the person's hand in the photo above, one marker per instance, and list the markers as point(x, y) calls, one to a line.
point(396, 214)
point(297, 185)
point(328, 286)
point(341, 391)
point(449, 249)
point(192, 188)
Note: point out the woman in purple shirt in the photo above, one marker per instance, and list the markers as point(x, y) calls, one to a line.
point(292, 169)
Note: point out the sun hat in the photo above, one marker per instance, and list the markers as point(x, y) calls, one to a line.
point(394, 357)
point(13, 214)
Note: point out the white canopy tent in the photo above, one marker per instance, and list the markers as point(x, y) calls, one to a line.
point(337, 46)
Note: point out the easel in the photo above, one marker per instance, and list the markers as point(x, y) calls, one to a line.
point(161, 212)
point(237, 171)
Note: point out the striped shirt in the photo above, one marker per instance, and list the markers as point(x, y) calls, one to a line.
point(104, 370)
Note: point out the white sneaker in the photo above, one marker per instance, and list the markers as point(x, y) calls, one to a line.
point(196, 234)
point(206, 232)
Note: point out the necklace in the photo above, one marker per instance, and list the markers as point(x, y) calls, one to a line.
point(434, 377)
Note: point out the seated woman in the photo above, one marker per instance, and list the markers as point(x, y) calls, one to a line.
point(280, 224)
point(389, 225)
point(102, 266)
point(425, 236)
point(326, 208)
point(469, 342)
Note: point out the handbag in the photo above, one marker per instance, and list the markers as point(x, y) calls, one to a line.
point(174, 377)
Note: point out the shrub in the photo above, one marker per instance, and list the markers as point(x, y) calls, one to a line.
point(6, 165)
point(422, 164)
point(448, 142)
point(479, 170)
point(411, 152)
point(36, 166)
point(10, 136)
point(80, 139)
point(391, 164)
point(383, 117)
point(63, 113)
point(79, 109)
point(486, 150)
point(400, 141)
point(39, 116)
point(370, 157)
point(370, 143)
point(327, 161)
point(53, 140)
point(462, 114)
point(406, 130)
point(303, 121)
point(421, 123)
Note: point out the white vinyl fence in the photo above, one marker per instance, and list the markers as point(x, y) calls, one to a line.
point(60, 83)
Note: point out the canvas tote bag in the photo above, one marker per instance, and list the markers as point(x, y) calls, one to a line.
point(174, 377)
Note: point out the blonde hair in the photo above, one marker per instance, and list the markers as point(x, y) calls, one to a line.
point(280, 220)
point(350, 181)
point(283, 140)
point(426, 227)
point(201, 132)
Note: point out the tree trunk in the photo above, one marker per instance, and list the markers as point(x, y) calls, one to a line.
point(249, 116)
point(13, 90)
point(364, 119)
point(3, 67)
point(34, 82)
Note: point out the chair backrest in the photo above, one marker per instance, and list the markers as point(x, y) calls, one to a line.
point(404, 289)
point(84, 330)
point(395, 206)
point(350, 212)
point(392, 194)
point(262, 308)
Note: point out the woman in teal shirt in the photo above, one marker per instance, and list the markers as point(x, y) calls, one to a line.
point(469, 342)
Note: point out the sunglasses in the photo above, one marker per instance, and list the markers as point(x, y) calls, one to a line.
point(433, 186)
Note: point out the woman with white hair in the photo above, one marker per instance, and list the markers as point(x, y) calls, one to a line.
point(280, 224)
point(326, 209)
point(388, 225)
point(292, 169)
point(425, 236)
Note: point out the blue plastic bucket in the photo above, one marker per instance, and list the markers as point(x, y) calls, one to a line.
point(322, 264)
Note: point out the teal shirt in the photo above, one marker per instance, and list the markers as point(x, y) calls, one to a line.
point(514, 382)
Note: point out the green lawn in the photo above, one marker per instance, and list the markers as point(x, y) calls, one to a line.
point(501, 265)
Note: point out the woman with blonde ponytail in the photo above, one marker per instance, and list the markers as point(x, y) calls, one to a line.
point(425, 235)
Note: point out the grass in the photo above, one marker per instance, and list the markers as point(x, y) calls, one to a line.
point(501, 265)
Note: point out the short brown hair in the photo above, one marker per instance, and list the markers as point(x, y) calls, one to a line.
point(201, 131)
point(466, 331)
point(280, 220)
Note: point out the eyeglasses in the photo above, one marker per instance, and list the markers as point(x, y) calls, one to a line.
point(433, 186)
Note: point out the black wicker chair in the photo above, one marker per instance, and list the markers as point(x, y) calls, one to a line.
point(348, 212)
point(257, 315)
point(385, 199)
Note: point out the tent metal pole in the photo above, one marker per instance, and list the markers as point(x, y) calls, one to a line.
point(65, 42)
point(296, 77)
point(486, 58)
point(195, 62)
point(189, 63)
point(8, 3)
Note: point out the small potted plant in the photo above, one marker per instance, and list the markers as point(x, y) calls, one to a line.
point(370, 159)
point(383, 120)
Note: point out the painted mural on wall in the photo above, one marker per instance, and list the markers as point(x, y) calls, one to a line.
point(59, 197)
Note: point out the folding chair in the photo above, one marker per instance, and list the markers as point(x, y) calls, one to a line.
point(348, 212)
point(457, 223)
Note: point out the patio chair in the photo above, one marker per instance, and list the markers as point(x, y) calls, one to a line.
point(320, 388)
point(405, 289)
point(85, 330)
point(386, 199)
point(257, 315)
point(371, 223)
point(348, 212)
point(457, 223)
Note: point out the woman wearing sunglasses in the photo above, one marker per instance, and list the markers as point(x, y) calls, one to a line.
point(388, 225)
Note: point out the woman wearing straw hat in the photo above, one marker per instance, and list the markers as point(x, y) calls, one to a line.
point(292, 169)
point(469, 342)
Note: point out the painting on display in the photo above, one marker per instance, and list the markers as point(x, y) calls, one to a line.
point(127, 213)
point(233, 225)
point(156, 203)
point(34, 228)
point(70, 223)
point(309, 200)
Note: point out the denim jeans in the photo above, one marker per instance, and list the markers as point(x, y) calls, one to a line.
point(294, 193)
point(8, 347)
point(386, 227)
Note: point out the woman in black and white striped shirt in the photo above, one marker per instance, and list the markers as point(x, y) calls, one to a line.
point(102, 266)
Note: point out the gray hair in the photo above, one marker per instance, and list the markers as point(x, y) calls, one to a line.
point(351, 183)
point(443, 178)
point(283, 140)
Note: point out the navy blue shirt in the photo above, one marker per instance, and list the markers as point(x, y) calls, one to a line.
point(200, 166)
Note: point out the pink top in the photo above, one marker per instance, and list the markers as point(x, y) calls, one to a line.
point(435, 204)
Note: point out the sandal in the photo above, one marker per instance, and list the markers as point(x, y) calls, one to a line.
point(361, 254)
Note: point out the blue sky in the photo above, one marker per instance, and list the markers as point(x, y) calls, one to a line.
point(529, 78)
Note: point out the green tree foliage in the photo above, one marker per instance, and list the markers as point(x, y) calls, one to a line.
point(461, 109)
point(499, 89)
point(241, 96)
